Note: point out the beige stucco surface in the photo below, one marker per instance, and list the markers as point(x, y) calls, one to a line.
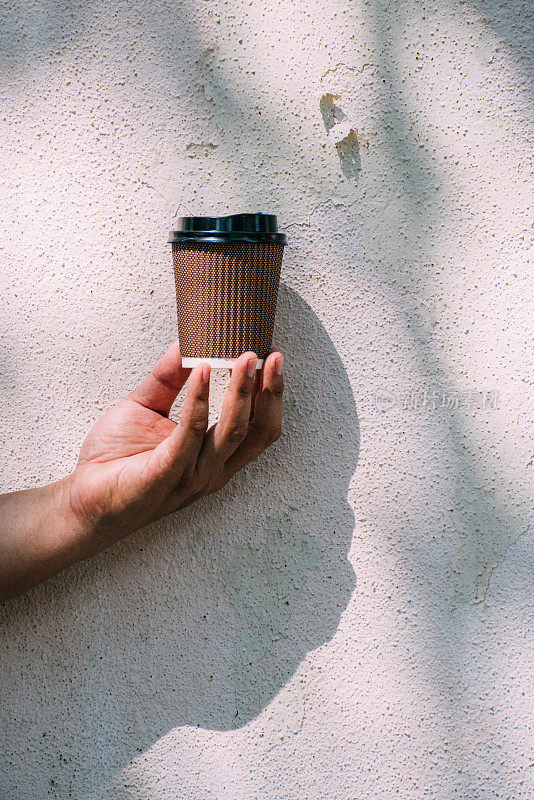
point(351, 617)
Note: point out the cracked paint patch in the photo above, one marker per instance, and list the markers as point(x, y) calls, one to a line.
point(207, 63)
point(488, 531)
point(343, 133)
point(284, 717)
point(263, 585)
point(342, 67)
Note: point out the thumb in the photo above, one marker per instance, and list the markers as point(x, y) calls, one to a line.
point(160, 389)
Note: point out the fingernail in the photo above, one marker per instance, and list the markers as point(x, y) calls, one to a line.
point(279, 365)
point(206, 373)
point(251, 366)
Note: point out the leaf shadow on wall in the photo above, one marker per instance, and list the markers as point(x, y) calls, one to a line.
point(201, 619)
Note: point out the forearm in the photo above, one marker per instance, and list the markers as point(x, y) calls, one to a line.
point(39, 535)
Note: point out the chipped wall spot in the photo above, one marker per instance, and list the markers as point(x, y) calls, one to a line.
point(196, 149)
point(348, 151)
point(343, 133)
point(329, 109)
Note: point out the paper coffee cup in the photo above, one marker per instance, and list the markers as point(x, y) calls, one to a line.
point(227, 273)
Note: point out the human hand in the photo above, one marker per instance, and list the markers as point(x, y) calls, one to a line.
point(137, 465)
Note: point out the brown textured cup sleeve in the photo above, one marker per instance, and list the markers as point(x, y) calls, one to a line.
point(226, 297)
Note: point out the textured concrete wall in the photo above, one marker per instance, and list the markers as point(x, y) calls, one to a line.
point(351, 617)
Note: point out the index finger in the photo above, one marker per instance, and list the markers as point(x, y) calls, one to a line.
point(226, 435)
point(265, 427)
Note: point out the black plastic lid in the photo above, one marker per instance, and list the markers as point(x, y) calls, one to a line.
point(233, 228)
